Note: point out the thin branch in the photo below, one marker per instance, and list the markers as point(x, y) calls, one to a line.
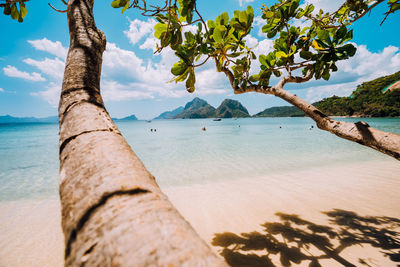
point(201, 64)
point(12, 2)
point(61, 11)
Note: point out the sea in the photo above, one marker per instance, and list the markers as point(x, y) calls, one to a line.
point(180, 152)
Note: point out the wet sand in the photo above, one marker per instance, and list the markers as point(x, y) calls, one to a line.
point(30, 231)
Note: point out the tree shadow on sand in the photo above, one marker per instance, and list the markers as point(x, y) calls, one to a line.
point(294, 240)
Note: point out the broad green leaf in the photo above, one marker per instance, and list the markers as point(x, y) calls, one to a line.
point(23, 10)
point(249, 10)
point(306, 54)
point(280, 54)
point(211, 24)
point(115, 3)
point(191, 81)
point(179, 68)
point(243, 17)
point(14, 11)
point(269, 14)
point(254, 78)
point(126, 6)
point(323, 35)
point(326, 75)
point(218, 33)
point(277, 73)
point(7, 10)
point(340, 34)
point(159, 29)
point(263, 60)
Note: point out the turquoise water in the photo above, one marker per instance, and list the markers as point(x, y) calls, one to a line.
point(180, 153)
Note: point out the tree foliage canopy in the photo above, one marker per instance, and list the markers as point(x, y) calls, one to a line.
point(314, 50)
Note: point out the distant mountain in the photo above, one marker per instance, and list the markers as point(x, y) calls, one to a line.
point(376, 98)
point(11, 119)
point(169, 114)
point(129, 118)
point(196, 109)
point(283, 111)
point(231, 109)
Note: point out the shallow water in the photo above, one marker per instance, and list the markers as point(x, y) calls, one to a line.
point(180, 153)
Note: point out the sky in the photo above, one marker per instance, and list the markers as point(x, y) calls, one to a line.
point(136, 81)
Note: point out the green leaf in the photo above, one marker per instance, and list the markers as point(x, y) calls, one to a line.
point(159, 29)
point(340, 34)
point(263, 60)
point(395, 7)
point(323, 35)
point(254, 78)
point(125, 7)
point(23, 10)
point(218, 33)
point(14, 11)
point(7, 10)
point(115, 4)
point(306, 54)
point(277, 73)
point(250, 10)
point(326, 75)
point(179, 68)
point(243, 17)
point(350, 49)
point(280, 54)
point(211, 24)
point(269, 14)
point(191, 81)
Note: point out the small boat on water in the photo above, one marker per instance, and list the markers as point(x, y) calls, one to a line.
point(217, 119)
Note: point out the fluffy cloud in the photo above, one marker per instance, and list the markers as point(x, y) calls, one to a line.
point(52, 67)
point(1, 89)
point(12, 71)
point(325, 5)
point(139, 29)
point(51, 94)
point(241, 2)
point(54, 48)
point(364, 66)
point(114, 91)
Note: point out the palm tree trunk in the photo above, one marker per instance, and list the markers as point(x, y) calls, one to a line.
point(113, 212)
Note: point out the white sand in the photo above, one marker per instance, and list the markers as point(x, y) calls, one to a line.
point(30, 231)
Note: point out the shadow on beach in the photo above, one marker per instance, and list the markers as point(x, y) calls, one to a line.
point(295, 240)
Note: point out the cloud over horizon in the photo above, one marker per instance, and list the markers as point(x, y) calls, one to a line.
point(128, 76)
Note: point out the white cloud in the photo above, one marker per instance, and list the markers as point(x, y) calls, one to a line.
point(114, 91)
point(209, 82)
point(364, 66)
point(1, 89)
point(325, 5)
point(139, 29)
point(54, 48)
point(149, 43)
point(116, 59)
point(52, 67)
point(241, 2)
point(12, 71)
point(341, 89)
point(51, 95)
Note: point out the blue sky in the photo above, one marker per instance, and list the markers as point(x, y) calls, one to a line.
point(135, 81)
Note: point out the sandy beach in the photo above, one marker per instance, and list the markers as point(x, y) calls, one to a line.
point(30, 231)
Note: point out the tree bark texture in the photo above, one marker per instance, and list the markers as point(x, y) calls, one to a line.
point(113, 212)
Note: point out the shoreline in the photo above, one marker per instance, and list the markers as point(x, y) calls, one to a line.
point(30, 230)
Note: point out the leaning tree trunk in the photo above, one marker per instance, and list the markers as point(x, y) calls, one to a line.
point(113, 212)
